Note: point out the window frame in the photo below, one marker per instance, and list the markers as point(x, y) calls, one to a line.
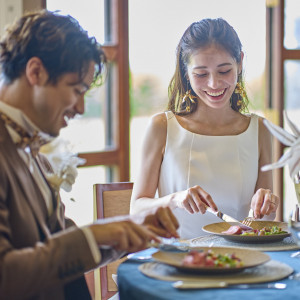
point(116, 155)
point(116, 50)
point(277, 54)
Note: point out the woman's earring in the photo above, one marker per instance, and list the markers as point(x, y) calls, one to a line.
point(239, 90)
point(188, 98)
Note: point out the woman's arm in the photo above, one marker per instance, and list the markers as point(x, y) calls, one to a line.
point(194, 199)
point(264, 179)
point(153, 148)
point(264, 202)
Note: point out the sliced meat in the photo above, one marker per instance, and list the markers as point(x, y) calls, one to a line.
point(233, 230)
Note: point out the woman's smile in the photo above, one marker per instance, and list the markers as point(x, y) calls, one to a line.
point(215, 94)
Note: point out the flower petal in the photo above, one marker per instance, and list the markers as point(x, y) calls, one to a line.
point(293, 127)
point(284, 159)
point(294, 161)
point(282, 135)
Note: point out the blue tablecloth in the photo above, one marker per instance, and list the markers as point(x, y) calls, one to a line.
point(133, 285)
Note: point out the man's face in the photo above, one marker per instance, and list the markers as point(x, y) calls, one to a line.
point(55, 105)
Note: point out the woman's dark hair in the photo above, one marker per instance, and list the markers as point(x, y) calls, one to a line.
point(199, 35)
point(59, 41)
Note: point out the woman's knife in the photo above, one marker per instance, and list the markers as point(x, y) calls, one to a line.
point(228, 219)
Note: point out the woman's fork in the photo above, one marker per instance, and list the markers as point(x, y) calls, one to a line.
point(248, 221)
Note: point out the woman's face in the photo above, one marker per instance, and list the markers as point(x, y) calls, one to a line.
point(213, 74)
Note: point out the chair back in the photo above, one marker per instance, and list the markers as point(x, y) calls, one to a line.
point(111, 199)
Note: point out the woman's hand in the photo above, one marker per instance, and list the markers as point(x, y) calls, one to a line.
point(194, 200)
point(264, 203)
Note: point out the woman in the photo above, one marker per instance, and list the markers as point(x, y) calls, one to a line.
point(204, 151)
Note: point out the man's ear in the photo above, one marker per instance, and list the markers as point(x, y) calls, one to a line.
point(35, 71)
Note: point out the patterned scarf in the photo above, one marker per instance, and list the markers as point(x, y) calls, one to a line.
point(33, 142)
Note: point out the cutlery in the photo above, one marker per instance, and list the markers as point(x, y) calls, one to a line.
point(173, 245)
point(135, 256)
point(170, 246)
point(223, 284)
point(228, 219)
point(248, 221)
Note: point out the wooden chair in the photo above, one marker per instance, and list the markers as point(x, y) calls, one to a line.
point(110, 199)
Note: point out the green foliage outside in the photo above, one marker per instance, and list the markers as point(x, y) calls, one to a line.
point(256, 93)
point(147, 96)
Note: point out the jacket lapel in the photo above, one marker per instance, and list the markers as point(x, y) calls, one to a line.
point(24, 179)
point(55, 221)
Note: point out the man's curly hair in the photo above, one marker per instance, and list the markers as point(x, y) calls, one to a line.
point(59, 41)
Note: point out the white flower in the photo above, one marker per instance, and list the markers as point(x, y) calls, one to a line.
point(64, 164)
point(292, 156)
point(65, 170)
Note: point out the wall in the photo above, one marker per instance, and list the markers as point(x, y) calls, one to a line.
point(9, 11)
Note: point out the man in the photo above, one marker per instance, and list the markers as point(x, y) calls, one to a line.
point(48, 62)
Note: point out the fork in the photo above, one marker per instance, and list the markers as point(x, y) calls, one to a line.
point(248, 221)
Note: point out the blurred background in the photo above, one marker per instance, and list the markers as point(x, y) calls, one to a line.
point(140, 39)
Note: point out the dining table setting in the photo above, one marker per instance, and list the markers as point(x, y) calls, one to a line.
point(247, 259)
point(218, 265)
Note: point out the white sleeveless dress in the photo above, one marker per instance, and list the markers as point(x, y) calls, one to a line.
point(224, 166)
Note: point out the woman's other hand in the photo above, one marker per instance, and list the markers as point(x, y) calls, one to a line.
point(264, 203)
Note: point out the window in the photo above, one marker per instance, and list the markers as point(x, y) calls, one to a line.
point(291, 25)
point(291, 87)
point(101, 135)
point(284, 53)
point(155, 28)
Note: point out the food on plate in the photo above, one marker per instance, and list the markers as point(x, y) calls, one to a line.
point(233, 230)
point(264, 231)
point(211, 259)
point(270, 230)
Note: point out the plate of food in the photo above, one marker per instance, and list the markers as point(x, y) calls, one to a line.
point(213, 260)
point(263, 232)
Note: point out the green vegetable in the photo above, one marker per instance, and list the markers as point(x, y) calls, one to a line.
point(264, 231)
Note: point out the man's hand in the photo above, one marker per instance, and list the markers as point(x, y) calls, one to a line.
point(124, 236)
point(131, 237)
point(162, 222)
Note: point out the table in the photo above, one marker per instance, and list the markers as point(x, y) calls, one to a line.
point(133, 285)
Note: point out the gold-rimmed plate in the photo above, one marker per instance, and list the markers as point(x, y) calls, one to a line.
point(219, 228)
point(249, 258)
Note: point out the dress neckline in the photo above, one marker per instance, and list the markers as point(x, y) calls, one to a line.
point(212, 136)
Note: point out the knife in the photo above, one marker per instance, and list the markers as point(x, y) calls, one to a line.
point(228, 219)
point(223, 284)
point(175, 245)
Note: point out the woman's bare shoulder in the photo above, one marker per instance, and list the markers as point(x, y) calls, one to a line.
point(158, 122)
point(262, 127)
point(159, 118)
